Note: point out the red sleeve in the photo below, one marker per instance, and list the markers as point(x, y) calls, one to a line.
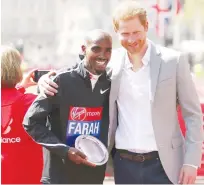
point(20, 88)
point(27, 100)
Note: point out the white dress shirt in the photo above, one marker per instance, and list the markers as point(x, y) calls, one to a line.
point(94, 79)
point(135, 131)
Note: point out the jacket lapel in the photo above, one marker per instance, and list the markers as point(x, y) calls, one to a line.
point(117, 68)
point(155, 63)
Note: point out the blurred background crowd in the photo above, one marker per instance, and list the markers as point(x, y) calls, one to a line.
point(48, 33)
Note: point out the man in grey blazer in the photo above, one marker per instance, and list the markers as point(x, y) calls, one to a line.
point(147, 83)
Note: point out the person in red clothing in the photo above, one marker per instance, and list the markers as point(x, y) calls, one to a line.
point(21, 157)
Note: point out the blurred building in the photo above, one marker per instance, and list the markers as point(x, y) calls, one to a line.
point(48, 33)
point(51, 30)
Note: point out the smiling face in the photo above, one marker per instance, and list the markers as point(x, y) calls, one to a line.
point(131, 25)
point(132, 34)
point(97, 53)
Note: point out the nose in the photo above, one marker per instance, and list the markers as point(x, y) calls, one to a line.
point(132, 39)
point(103, 54)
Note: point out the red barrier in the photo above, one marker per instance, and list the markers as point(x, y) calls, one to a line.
point(183, 129)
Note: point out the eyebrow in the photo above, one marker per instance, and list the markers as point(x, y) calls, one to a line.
point(131, 32)
point(96, 46)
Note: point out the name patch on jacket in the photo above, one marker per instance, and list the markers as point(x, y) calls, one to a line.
point(83, 121)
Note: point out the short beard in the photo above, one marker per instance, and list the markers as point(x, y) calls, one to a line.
point(140, 49)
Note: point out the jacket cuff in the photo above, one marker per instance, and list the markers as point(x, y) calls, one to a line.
point(65, 152)
point(191, 165)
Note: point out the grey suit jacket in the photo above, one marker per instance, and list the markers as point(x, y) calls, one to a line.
point(170, 79)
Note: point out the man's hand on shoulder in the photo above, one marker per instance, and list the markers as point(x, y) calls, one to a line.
point(46, 85)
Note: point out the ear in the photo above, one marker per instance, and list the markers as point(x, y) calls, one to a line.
point(83, 48)
point(146, 26)
point(115, 29)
